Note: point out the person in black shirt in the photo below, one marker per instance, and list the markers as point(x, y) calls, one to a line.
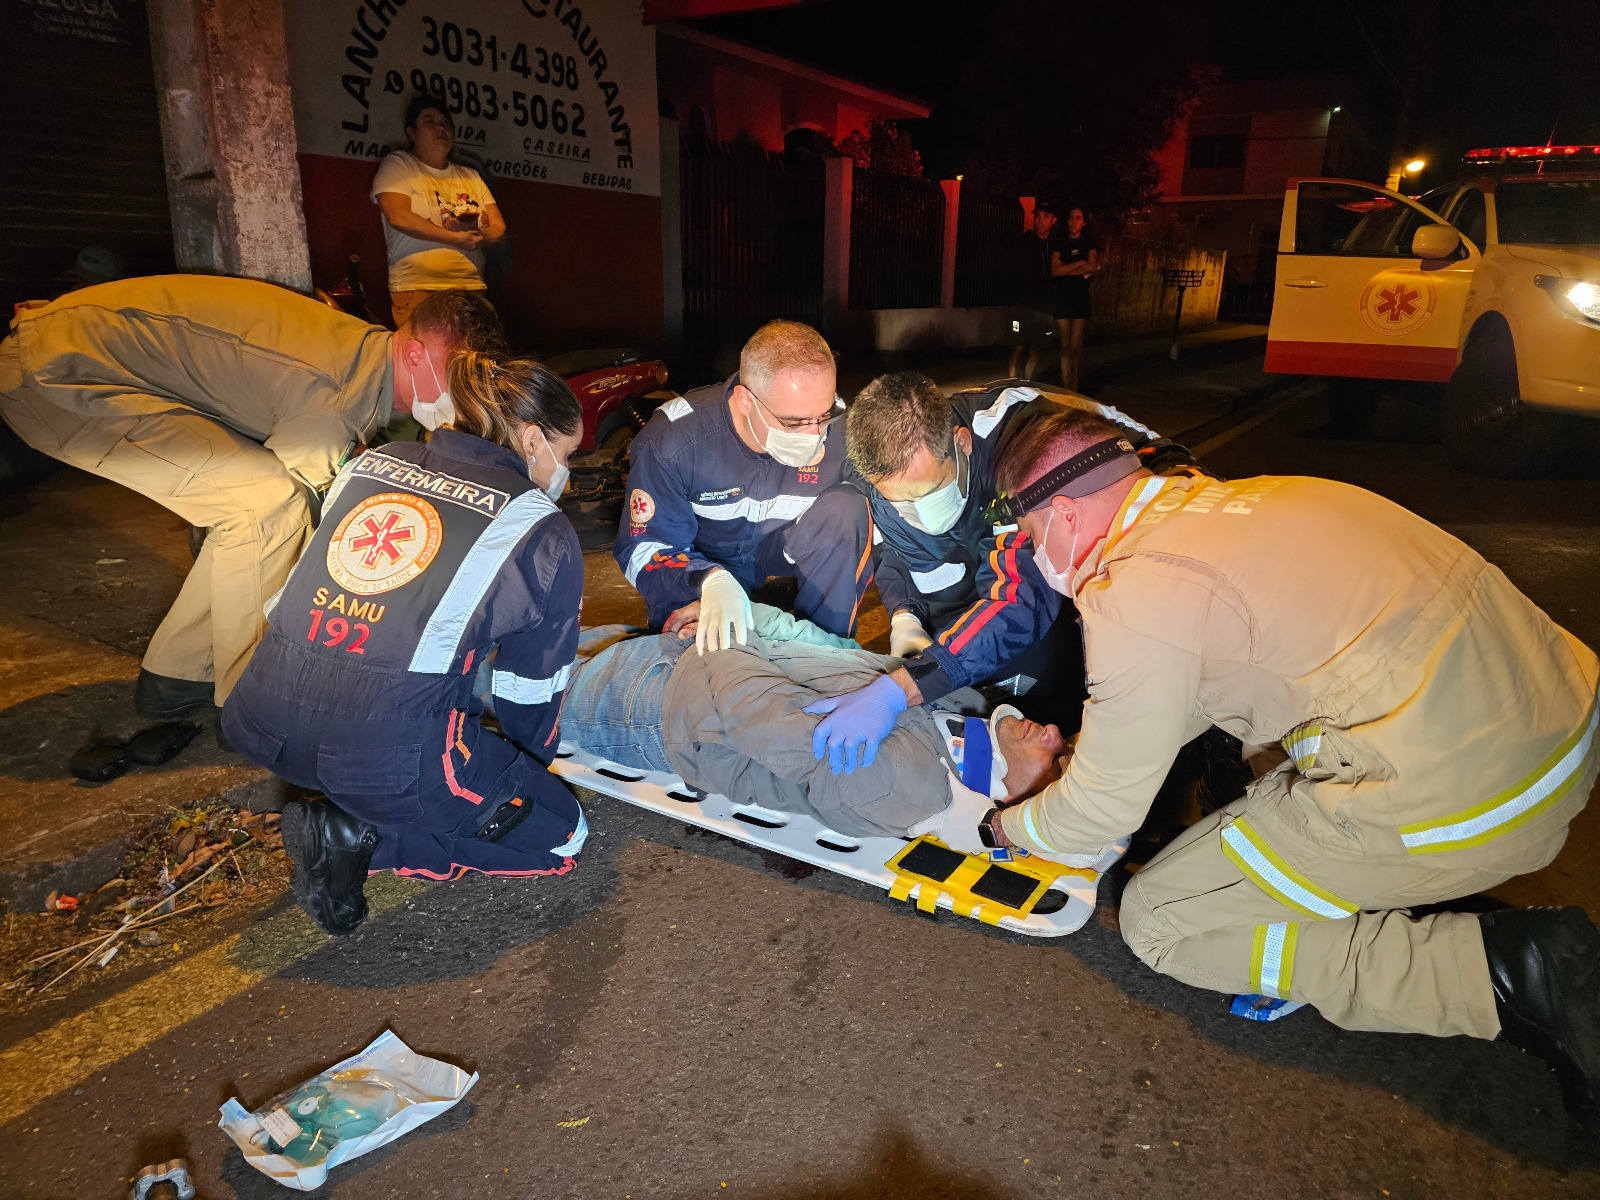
point(1075, 257)
point(1033, 323)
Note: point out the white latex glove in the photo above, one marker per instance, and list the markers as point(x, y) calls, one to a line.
point(906, 635)
point(957, 825)
point(724, 613)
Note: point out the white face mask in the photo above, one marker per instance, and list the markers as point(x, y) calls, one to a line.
point(940, 509)
point(558, 475)
point(1060, 581)
point(790, 448)
point(431, 414)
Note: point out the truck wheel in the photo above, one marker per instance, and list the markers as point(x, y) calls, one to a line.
point(1486, 428)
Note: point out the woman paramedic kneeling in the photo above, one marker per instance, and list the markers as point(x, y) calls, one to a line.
point(430, 558)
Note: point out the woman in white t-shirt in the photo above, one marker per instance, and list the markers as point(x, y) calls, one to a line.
point(437, 215)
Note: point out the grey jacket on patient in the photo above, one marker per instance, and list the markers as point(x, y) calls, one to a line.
point(732, 723)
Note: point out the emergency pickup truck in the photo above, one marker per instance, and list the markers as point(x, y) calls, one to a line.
point(1489, 287)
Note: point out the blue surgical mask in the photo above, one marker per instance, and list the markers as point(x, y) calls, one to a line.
point(940, 509)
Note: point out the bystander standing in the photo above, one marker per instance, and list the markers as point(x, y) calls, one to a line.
point(438, 216)
point(1074, 258)
point(1033, 325)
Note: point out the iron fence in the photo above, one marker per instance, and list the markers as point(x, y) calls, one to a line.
point(752, 241)
point(896, 240)
point(991, 266)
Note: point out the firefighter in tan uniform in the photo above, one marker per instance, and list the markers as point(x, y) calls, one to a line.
point(232, 403)
point(1428, 733)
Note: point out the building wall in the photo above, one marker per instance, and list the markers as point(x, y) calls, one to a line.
point(748, 108)
point(585, 270)
point(758, 101)
point(1284, 145)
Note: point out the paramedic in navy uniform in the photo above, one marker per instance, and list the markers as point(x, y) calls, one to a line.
point(430, 559)
point(742, 480)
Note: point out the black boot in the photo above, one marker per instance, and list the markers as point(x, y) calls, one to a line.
point(331, 851)
point(1545, 967)
point(162, 698)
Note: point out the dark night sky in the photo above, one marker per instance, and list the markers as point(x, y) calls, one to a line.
point(1501, 73)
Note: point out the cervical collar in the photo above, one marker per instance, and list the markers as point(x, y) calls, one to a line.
point(973, 747)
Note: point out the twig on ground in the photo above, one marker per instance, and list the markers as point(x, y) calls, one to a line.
point(131, 922)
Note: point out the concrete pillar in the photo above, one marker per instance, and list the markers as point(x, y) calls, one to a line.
point(952, 223)
point(671, 239)
point(227, 128)
point(836, 239)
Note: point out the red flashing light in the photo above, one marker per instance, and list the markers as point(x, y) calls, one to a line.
point(1503, 152)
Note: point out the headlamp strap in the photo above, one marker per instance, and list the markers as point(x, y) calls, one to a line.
point(1052, 481)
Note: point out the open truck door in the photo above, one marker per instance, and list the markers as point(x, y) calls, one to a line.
point(1369, 284)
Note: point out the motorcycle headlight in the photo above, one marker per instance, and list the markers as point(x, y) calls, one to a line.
point(1577, 298)
point(1585, 297)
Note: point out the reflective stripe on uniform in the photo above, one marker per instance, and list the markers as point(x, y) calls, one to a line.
point(519, 689)
point(985, 419)
point(641, 555)
point(944, 575)
point(1262, 866)
point(1033, 831)
point(1302, 745)
point(1272, 958)
point(436, 649)
point(1147, 492)
point(779, 508)
point(1537, 793)
point(573, 844)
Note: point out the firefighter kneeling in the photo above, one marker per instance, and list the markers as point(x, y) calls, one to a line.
point(430, 558)
point(1435, 733)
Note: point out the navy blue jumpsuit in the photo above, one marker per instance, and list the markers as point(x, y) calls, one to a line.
point(429, 557)
point(959, 581)
point(699, 498)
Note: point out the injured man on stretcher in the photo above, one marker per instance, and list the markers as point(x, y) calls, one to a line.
point(732, 722)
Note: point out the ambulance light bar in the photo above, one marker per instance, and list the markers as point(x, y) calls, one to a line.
point(1501, 153)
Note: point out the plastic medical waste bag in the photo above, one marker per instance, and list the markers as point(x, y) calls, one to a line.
point(364, 1102)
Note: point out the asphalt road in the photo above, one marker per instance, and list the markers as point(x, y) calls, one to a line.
point(683, 1016)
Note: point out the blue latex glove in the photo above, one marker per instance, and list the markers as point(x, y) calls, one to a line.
point(855, 723)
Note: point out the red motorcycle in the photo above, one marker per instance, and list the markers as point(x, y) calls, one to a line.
point(619, 389)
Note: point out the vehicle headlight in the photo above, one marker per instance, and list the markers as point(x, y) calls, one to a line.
point(1577, 298)
point(1585, 297)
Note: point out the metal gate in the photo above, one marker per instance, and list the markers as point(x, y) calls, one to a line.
point(896, 241)
point(752, 242)
point(991, 266)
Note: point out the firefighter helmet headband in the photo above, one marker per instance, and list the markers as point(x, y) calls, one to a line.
point(1101, 465)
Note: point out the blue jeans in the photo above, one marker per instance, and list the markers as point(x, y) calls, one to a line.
point(613, 705)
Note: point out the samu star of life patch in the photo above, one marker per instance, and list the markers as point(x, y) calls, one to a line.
point(640, 507)
point(385, 541)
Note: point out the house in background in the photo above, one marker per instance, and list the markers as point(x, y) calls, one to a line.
point(728, 92)
point(1224, 172)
